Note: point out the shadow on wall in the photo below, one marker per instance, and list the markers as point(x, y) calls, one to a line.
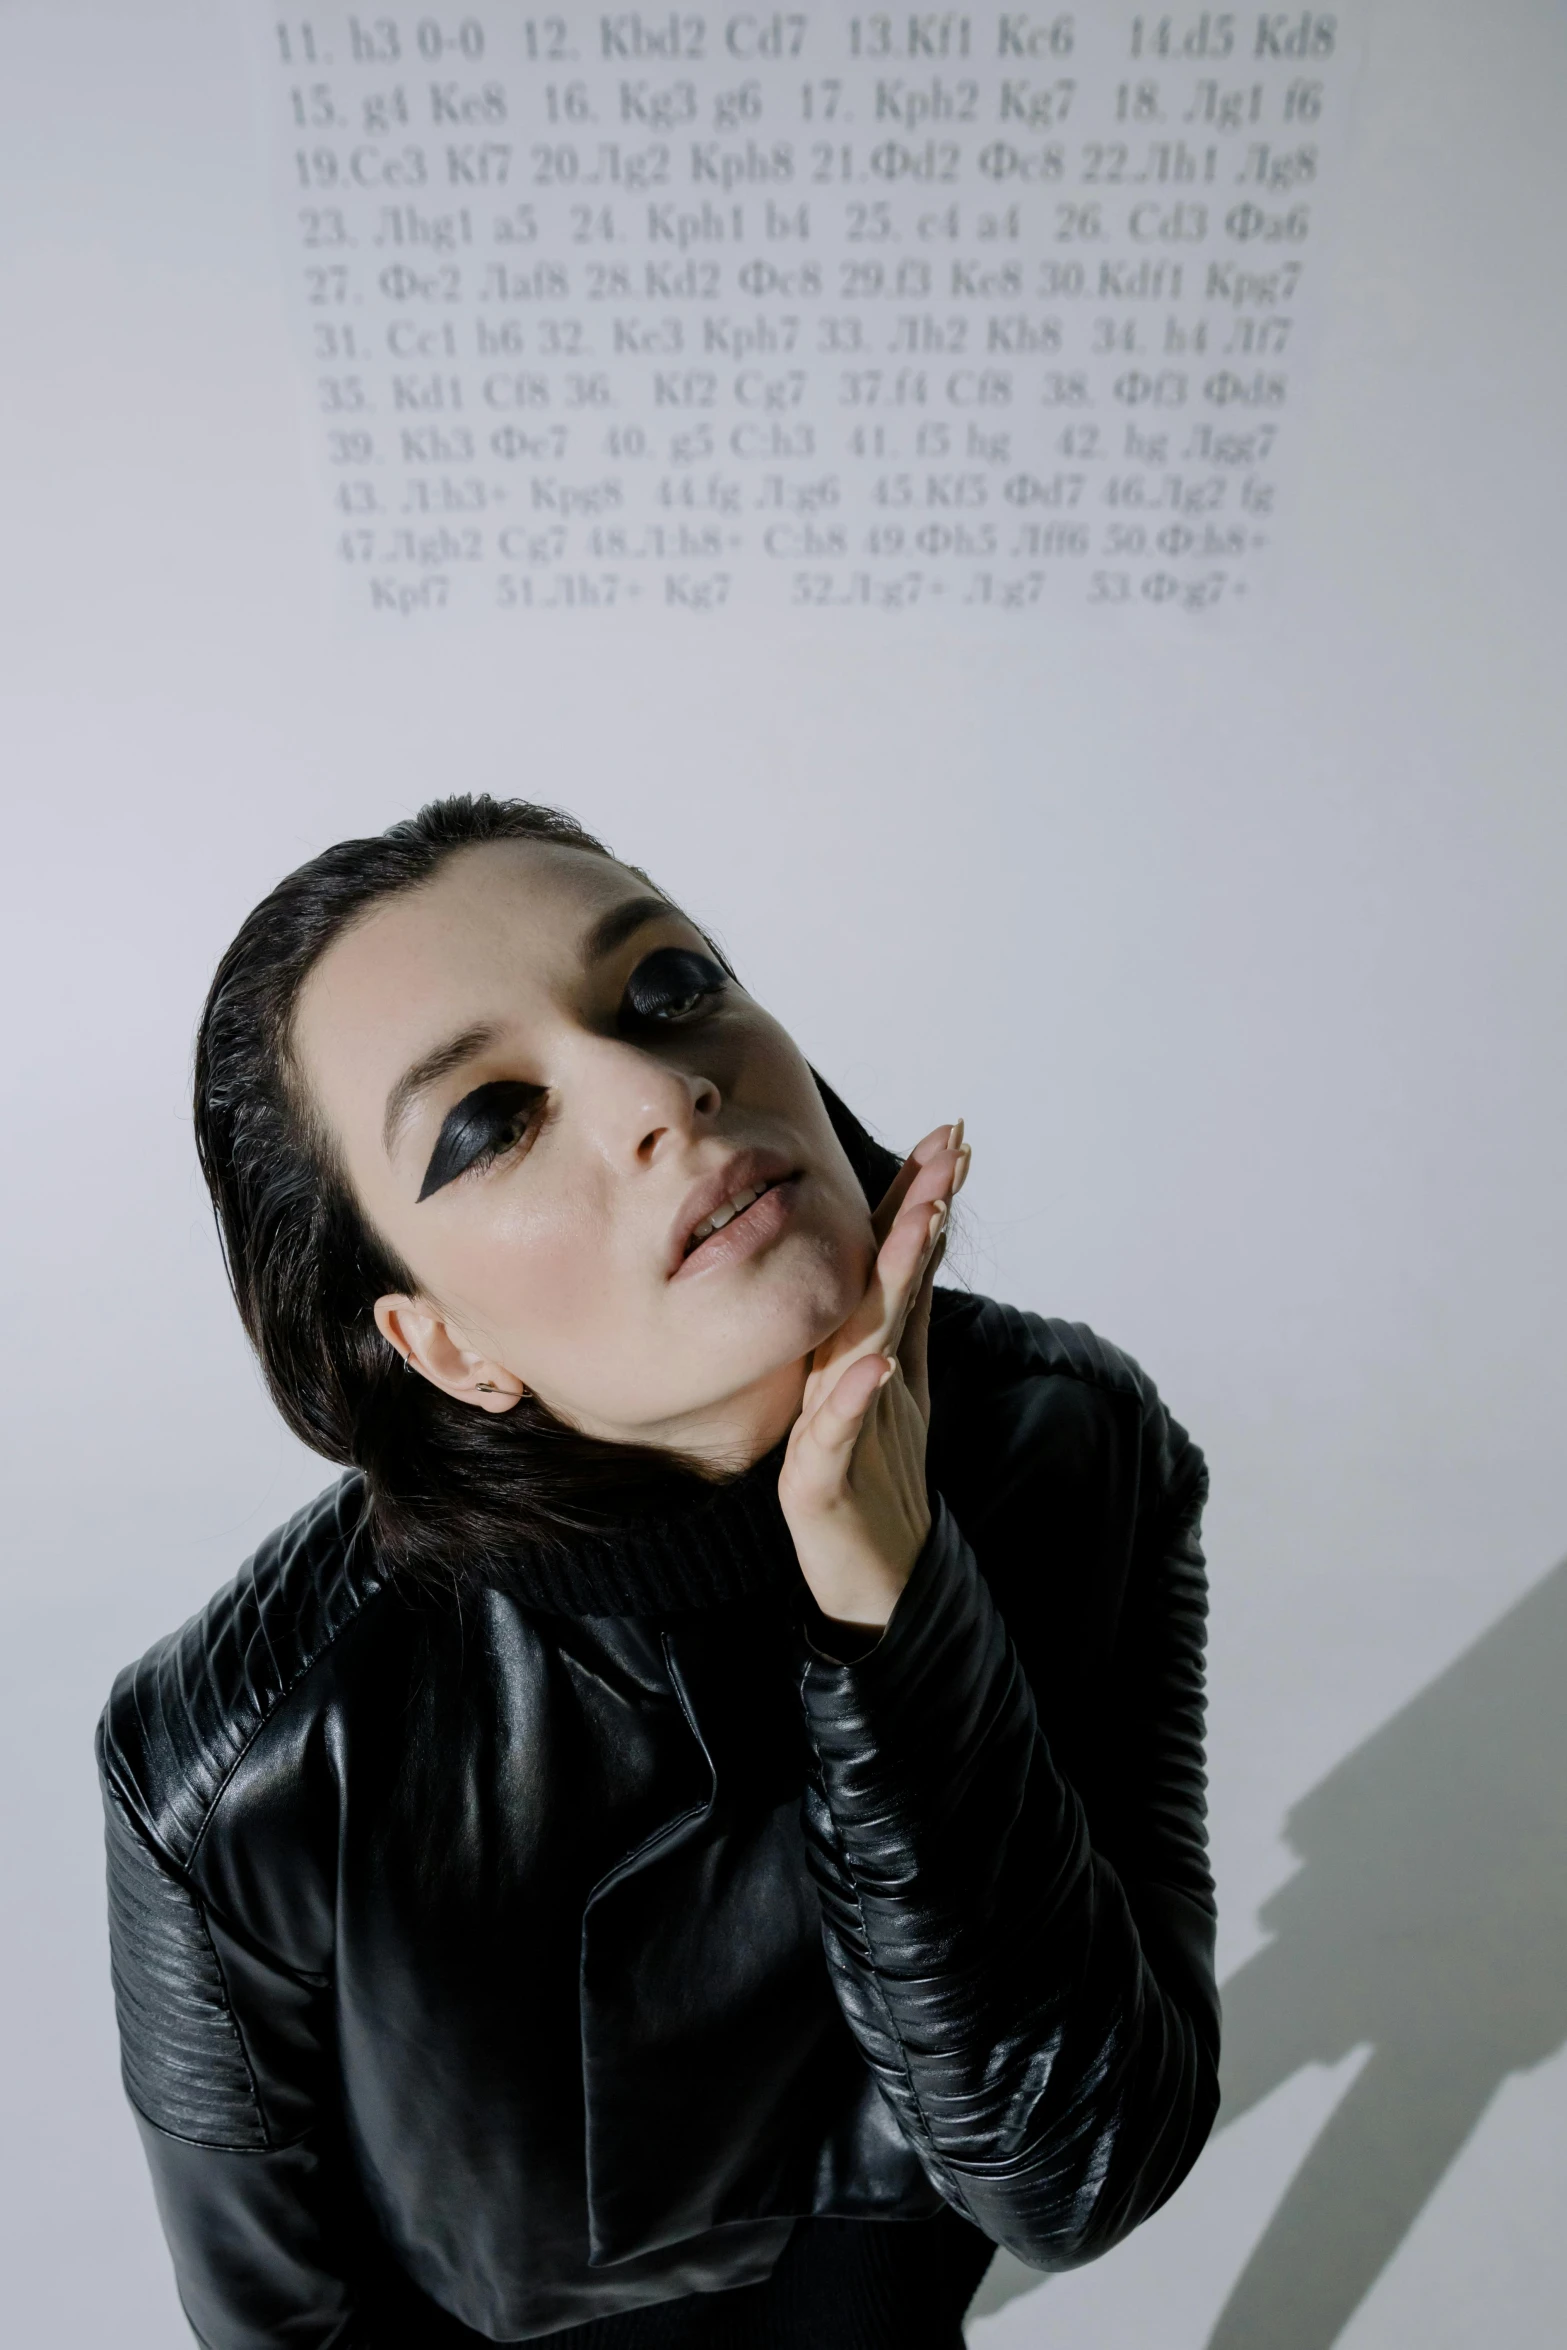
point(1428, 1919)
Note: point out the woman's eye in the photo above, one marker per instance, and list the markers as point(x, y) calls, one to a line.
point(671, 983)
point(503, 1137)
point(489, 1121)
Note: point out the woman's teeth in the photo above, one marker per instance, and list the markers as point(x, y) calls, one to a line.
point(724, 1215)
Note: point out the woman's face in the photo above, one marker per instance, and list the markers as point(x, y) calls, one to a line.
point(608, 1169)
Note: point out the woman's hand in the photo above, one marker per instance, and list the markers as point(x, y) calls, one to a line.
point(853, 1480)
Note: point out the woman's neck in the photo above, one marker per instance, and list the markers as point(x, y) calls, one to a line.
point(725, 1438)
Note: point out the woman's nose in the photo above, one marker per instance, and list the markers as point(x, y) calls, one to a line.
point(644, 1107)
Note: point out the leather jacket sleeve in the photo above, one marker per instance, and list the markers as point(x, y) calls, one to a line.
point(220, 2048)
point(1041, 2019)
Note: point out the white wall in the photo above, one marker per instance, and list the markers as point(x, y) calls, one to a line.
point(1241, 954)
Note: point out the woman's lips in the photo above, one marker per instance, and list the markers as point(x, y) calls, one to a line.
point(717, 1193)
point(746, 1233)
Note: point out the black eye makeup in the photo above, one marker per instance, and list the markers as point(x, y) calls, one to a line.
point(478, 1128)
point(670, 984)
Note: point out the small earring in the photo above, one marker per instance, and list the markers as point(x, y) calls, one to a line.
point(487, 1387)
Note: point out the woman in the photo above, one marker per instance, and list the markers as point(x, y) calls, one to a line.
point(698, 1836)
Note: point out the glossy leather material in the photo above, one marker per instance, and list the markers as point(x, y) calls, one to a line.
point(516, 1968)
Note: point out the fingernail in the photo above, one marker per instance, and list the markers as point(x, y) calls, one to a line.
point(937, 1221)
point(955, 1136)
point(965, 1161)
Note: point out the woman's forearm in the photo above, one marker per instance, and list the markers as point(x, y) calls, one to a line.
point(987, 1958)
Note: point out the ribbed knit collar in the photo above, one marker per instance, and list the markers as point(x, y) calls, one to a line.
point(726, 1542)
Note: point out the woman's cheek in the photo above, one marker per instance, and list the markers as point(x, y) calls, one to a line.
point(532, 1293)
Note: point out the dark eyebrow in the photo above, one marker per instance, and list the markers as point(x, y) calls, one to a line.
point(423, 1073)
point(613, 928)
point(601, 938)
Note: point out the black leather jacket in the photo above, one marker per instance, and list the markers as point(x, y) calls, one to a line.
point(525, 1967)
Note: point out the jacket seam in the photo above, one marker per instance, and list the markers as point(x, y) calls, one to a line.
point(629, 1862)
point(214, 2145)
point(160, 1857)
point(1174, 1512)
point(308, 1978)
point(881, 1995)
point(882, 2000)
point(239, 2037)
point(281, 1699)
point(910, 2088)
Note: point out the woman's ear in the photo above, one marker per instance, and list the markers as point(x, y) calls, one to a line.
point(429, 1345)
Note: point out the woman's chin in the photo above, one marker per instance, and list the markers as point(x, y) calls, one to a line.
point(805, 1295)
point(737, 1355)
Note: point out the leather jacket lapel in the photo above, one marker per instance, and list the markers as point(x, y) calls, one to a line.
point(705, 2003)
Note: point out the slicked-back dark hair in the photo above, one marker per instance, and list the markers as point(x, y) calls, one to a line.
point(452, 1491)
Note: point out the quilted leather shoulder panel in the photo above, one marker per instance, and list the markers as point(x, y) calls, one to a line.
point(179, 1721)
point(181, 2056)
point(981, 1350)
point(973, 1336)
